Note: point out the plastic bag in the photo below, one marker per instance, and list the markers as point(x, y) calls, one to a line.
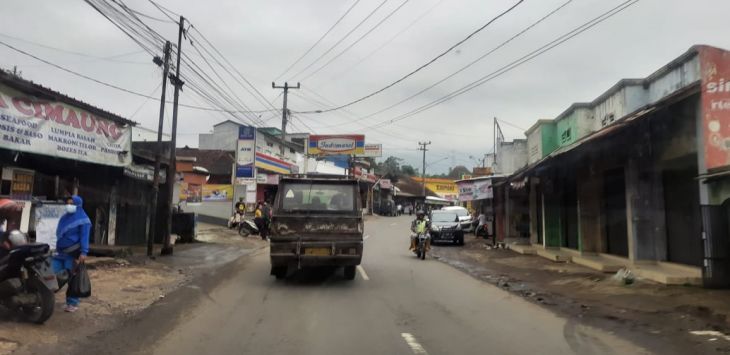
point(79, 285)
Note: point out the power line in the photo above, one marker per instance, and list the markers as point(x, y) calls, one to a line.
point(318, 41)
point(108, 84)
point(425, 64)
point(122, 4)
point(145, 101)
point(265, 102)
point(357, 40)
point(107, 58)
point(341, 39)
point(387, 42)
point(470, 64)
point(509, 67)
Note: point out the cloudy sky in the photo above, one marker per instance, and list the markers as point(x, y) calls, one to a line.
point(262, 38)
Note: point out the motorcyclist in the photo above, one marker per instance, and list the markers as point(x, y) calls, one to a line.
point(241, 207)
point(420, 225)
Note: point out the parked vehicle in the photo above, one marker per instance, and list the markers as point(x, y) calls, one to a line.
point(464, 217)
point(27, 280)
point(317, 221)
point(445, 227)
point(247, 227)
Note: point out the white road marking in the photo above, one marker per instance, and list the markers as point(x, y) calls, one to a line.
point(413, 343)
point(366, 237)
point(362, 272)
point(393, 224)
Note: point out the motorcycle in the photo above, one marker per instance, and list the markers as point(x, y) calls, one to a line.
point(27, 280)
point(420, 250)
point(247, 227)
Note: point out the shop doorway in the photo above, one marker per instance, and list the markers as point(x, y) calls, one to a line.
point(539, 215)
point(614, 206)
point(682, 211)
point(569, 216)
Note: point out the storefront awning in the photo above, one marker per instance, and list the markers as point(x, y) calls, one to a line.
point(615, 128)
point(272, 164)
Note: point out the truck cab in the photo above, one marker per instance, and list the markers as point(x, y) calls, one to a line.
point(317, 221)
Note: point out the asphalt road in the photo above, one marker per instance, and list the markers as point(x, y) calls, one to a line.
point(396, 305)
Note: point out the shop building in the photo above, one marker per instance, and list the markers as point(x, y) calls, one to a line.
point(636, 177)
point(54, 146)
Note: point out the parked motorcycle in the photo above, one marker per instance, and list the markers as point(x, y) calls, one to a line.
point(27, 280)
point(247, 227)
point(421, 245)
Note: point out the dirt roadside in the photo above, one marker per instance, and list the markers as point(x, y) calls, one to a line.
point(122, 288)
point(666, 319)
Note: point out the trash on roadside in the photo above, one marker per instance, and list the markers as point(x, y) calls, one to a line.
point(624, 276)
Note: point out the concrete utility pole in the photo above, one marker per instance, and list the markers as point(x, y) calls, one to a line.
point(284, 111)
point(422, 147)
point(171, 171)
point(165, 63)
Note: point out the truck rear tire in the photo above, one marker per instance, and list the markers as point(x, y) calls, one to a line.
point(350, 272)
point(279, 272)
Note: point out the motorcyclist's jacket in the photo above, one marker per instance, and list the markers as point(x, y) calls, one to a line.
point(419, 226)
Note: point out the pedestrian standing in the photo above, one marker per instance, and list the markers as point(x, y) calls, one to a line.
point(258, 219)
point(267, 219)
point(72, 243)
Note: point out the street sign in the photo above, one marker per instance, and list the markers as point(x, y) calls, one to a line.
point(372, 151)
point(246, 152)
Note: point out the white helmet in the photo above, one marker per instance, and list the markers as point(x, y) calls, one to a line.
point(17, 238)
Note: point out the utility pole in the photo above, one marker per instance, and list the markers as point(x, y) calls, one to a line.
point(284, 111)
point(422, 147)
point(171, 171)
point(165, 63)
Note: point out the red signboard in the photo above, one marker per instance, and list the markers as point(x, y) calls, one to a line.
point(715, 69)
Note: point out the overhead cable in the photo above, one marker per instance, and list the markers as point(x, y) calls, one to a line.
point(318, 41)
point(356, 41)
point(340, 40)
point(448, 50)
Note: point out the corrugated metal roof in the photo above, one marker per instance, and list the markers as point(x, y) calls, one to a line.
point(37, 90)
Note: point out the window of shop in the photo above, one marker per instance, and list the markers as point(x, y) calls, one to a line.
point(17, 183)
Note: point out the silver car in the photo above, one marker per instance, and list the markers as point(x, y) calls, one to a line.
point(464, 217)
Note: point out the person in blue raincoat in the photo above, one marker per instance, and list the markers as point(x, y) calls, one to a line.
point(72, 243)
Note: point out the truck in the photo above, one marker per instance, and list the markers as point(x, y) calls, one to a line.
point(316, 221)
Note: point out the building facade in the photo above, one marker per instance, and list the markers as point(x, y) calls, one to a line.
point(636, 178)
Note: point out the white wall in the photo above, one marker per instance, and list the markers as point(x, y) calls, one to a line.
point(534, 145)
point(511, 156)
point(224, 137)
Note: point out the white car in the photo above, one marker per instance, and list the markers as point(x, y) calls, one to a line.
point(464, 217)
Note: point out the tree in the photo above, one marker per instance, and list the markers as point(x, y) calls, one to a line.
point(457, 171)
point(408, 170)
point(389, 168)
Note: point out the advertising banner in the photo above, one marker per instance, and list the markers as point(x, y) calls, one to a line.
point(246, 153)
point(338, 144)
point(214, 192)
point(34, 125)
point(386, 184)
point(191, 193)
point(267, 179)
point(46, 221)
point(372, 151)
point(715, 68)
point(475, 190)
point(445, 190)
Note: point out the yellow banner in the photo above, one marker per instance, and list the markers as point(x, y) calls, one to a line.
point(212, 192)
